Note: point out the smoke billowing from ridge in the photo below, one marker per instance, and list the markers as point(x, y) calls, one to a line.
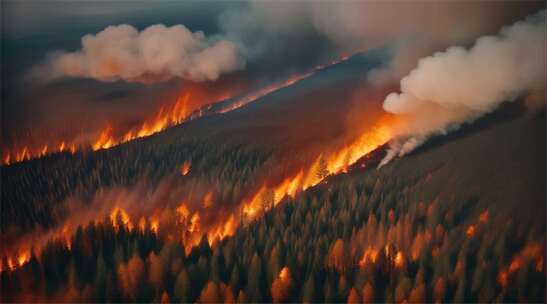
point(157, 53)
point(457, 86)
point(289, 33)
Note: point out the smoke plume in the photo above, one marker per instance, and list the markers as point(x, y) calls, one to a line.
point(459, 85)
point(157, 53)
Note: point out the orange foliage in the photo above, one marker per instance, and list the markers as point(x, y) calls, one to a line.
point(368, 293)
point(353, 297)
point(399, 259)
point(210, 293)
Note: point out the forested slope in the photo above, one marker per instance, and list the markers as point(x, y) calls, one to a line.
point(461, 220)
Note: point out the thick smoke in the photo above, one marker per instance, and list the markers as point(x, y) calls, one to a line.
point(157, 53)
point(283, 36)
point(459, 85)
point(270, 29)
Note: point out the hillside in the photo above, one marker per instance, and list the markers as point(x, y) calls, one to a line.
point(227, 151)
point(459, 220)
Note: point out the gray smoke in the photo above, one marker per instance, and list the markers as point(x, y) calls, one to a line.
point(459, 85)
point(157, 53)
point(284, 35)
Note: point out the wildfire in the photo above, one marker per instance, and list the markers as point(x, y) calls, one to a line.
point(118, 215)
point(336, 162)
point(369, 257)
point(176, 114)
point(193, 229)
point(20, 259)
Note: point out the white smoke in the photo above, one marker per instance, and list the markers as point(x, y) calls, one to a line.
point(271, 32)
point(155, 54)
point(459, 85)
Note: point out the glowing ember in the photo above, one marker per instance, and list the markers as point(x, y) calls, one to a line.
point(369, 257)
point(399, 259)
point(154, 225)
point(164, 118)
point(470, 231)
point(284, 274)
point(483, 217)
point(185, 168)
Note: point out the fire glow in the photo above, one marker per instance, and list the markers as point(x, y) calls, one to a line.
point(166, 117)
point(190, 228)
point(334, 163)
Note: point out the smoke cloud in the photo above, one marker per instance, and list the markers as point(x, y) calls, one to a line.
point(459, 85)
point(282, 36)
point(157, 53)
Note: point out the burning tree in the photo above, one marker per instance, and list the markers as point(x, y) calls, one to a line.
point(322, 169)
point(268, 199)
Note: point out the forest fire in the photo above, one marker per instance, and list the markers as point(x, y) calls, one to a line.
point(166, 117)
point(324, 165)
point(276, 86)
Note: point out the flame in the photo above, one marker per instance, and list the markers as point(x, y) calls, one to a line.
point(369, 257)
point(399, 259)
point(277, 86)
point(194, 223)
point(336, 162)
point(154, 225)
point(185, 168)
point(470, 230)
point(119, 213)
point(284, 274)
point(23, 258)
point(176, 114)
point(532, 251)
point(183, 211)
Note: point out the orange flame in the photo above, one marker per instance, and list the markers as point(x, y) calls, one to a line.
point(164, 118)
point(369, 257)
point(185, 168)
point(470, 230)
point(120, 214)
point(336, 162)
